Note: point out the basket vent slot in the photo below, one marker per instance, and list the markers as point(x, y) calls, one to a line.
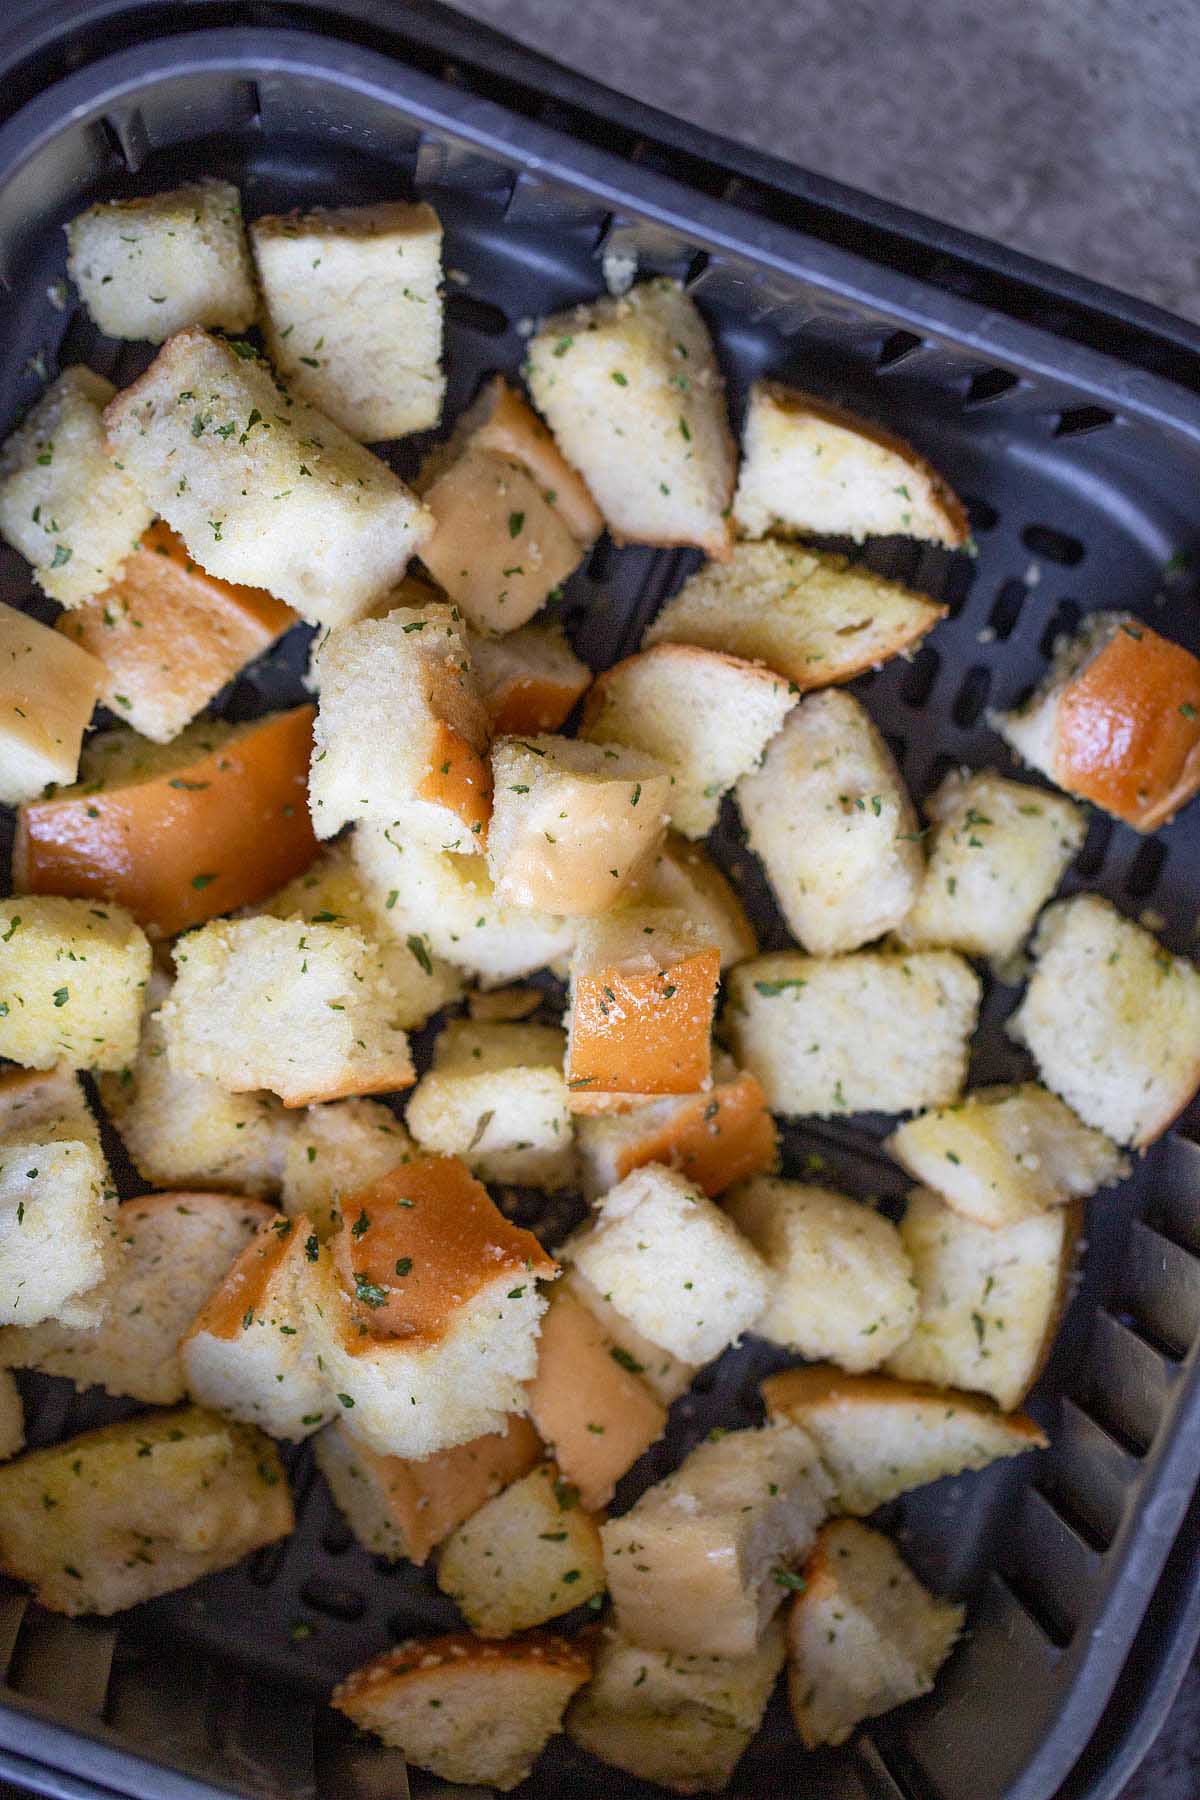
point(895, 347)
point(333, 1601)
point(972, 696)
point(989, 384)
point(476, 315)
point(1090, 860)
point(981, 515)
point(1055, 546)
point(920, 676)
point(1074, 421)
point(1061, 623)
point(1006, 608)
point(1141, 878)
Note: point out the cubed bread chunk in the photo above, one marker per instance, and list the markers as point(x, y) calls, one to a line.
point(402, 1509)
point(181, 832)
point(1111, 1019)
point(48, 689)
point(997, 851)
point(841, 1283)
point(673, 1263)
point(573, 823)
point(714, 1138)
point(168, 635)
point(72, 983)
point(12, 1417)
point(70, 509)
point(467, 1711)
point(879, 1437)
point(301, 1010)
point(989, 1300)
point(334, 1150)
point(401, 731)
point(531, 1554)
point(147, 267)
point(812, 469)
point(812, 616)
point(529, 680)
point(1115, 720)
point(632, 393)
point(512, 519)
point(683, 875)
point(354, 312)
point(665, 1375)
point(496, 1097)
point(643, 990)
point(829, 816)
point(262, 489)
point(871, 1032)
point(706, 717)
point(1004, 1154)
point(171, 1250)
point(863, 1635)
point(695, 1565)
point(103, 1521)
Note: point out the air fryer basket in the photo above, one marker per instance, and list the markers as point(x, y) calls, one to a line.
point(1081, 473)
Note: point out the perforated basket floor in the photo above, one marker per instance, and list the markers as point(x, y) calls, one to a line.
point(1081, 494)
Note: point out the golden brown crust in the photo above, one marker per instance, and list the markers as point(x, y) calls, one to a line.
point(792, 1391)
point(723, 1135)
point(532, 705)
point(240, 1297)
point(670, 653)
point(644, 1032)
point(459, 1650)
point(511, 428)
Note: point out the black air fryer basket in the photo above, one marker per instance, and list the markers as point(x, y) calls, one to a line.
point(1070, 419)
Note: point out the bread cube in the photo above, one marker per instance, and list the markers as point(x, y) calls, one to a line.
point(168, 636)
point(103, 1521)
point(336, 1149)
point(829, 816)
point(589, 1402)
point(632, 393)
point(997, 852)
point(427, 1313)
point(178, 833)
point(879, 1437)
point(466, 1711)
point(643, 989)
point(665, 1375)
point(512, 519)
point(680, 1721)
point(573, 823)
point(700, 1563)
point(56, 1201)
point(170, 1251)
point(65, 504)
point(714, 1138)
point(302, 1010)
point(72, 982)
point(812, 469)
point(527, 1556)
point(673, 1264)
point(12, 1417)
point(989, 1300)
point(810, 615)
point(263, 489)
point(872, 1032)
point(1115, 720)
point(529, 680)
point(47, 691)
point(842, 1287)
point(1111, 1019)
point(684, 876)
point(1004, 1154)
point(863, 1634)
point(147, 267)
point(496, 1097)
point(45, 1106)
point(705, 717)
point(402, 1509)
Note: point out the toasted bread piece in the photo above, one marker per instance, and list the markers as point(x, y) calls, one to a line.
point(527, 1556)
point(147, 267)
point(694, 1566)
point(632, 392)
point(809, 468)
point(70, 510)
point(1004, 1154)
point(401, 731)
point(665, 1375)
point(168, 635)
point(72, 980)
point(842, 852)
point(354, 312)
point(841, 1283)
point(302, 1010)
point(45, 1106)
point(714, 1138)
point(103, 1521)
point(479, 1713)
point(811, 616)
point(879, 1437)
point(997, 852)
point(1115, 720)
point(503, 1006)
point(262, 489)
point(12, 1417)
point(643, 989)
point(501, 423)
point(1111, 1020)
point(863, 1634)
point(683, 876)
point(990, 1300)
point(496, 1097)
point(170, 1252)
point(178, 833)
point(48, 689)
point(402, 1509)
point(334, 1150)
point(529, 680)
point(872, 1032)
